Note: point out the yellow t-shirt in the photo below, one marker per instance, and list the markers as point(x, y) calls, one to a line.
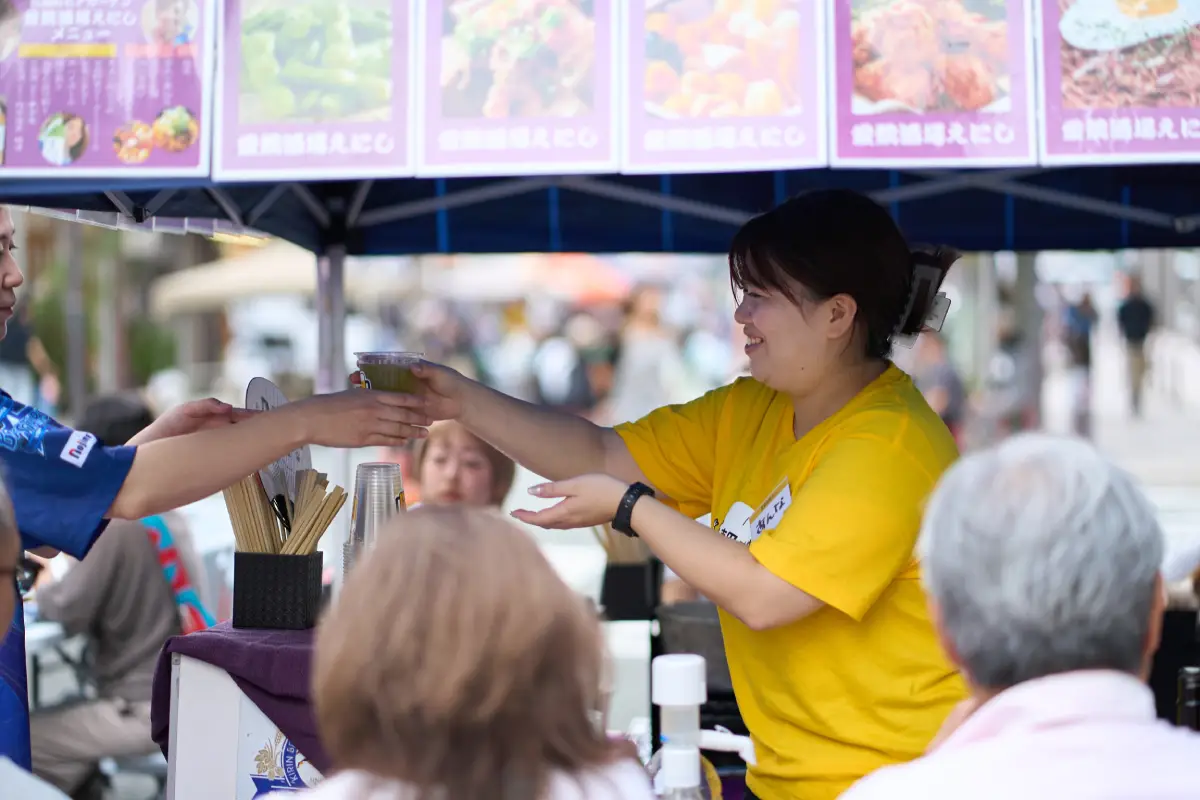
point(862, 682)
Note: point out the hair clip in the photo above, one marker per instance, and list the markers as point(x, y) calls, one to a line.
point(925, 282)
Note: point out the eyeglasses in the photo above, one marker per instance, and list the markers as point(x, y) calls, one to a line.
point(25, 574)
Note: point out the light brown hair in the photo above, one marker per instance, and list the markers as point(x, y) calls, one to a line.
point(503, 468)
point(456, 660)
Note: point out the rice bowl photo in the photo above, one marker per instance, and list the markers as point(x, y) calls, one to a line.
point(175, 129)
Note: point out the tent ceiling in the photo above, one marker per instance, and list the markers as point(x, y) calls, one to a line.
point(1015, 209)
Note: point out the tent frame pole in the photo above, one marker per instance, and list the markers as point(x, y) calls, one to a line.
point(331, 320)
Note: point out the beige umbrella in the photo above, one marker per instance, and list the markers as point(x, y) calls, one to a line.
point(274, 269)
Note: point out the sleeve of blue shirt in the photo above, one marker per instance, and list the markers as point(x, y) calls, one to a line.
point(62, 482)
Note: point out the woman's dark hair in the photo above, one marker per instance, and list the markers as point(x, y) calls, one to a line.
point(79, 148)
point(115, 419)
point(837, 241)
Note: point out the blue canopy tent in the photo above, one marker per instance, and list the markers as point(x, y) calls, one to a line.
point(1015, 209)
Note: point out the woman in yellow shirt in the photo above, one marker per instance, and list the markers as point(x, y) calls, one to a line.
point(814, 470)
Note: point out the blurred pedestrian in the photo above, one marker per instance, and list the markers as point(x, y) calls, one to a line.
point(1135, 318)
point(1079, 322)
point(938, 380)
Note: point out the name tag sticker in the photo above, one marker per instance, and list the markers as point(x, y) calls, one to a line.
point(77, 448)
point(767, 516)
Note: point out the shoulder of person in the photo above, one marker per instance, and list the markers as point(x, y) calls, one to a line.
point(897, 780)
point(746, 392)
point(895, 405)
point(621, 780)
point(28, 424)
point(124, 533)
point(893, 439)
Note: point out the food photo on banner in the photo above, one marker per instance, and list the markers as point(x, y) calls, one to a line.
point(98, 88)
point(723, 85)
point(509, 88)
point(314, 88)
point(1121, 81)
point(934, 83)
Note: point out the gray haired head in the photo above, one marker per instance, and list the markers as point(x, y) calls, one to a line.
point(1043, 558)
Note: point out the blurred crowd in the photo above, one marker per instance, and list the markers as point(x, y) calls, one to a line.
point(610, 361)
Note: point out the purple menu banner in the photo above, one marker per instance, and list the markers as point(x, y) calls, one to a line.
point(516, 89)
point(1120, 92)
point(102, 88)
point(710, 89)
point(314, 89)
point(935, 83)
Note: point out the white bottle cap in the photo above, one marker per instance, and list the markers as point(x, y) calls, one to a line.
point(678, 680)
point(680, 767)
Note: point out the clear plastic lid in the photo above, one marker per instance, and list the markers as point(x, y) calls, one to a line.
point(400, 357)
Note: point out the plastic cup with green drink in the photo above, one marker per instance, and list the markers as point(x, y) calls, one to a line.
point(389, 371)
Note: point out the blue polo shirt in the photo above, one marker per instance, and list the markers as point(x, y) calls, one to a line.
point(62, 483)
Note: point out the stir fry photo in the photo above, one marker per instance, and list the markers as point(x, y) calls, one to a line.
point(504, 59)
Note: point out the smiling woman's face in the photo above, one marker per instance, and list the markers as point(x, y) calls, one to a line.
point(790, 345)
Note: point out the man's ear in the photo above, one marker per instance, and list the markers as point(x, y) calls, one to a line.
point(1157, 611)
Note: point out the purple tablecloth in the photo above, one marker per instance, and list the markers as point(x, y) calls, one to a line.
point(272, 668)
point(733, 788)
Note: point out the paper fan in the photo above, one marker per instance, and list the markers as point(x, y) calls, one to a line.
point(279, 477)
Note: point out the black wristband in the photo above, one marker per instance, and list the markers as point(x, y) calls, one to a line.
point(623, 520)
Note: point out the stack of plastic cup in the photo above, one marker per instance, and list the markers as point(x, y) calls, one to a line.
point(378, 496)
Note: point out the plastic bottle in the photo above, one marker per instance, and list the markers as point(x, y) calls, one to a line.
point(719, 740)
point(681, 773)
point(678, 687)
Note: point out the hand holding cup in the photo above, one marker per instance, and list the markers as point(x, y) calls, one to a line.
point(436, 389)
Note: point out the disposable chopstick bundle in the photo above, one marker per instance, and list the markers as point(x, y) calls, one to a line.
point(304, 539)
point(257, 528)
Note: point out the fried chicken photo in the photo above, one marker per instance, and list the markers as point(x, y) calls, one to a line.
point(929, 55)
